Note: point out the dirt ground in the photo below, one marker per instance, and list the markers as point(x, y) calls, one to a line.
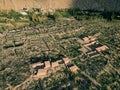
point(58, 4)
point(45, 4)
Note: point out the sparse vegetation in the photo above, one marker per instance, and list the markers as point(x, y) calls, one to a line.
point(53, 38)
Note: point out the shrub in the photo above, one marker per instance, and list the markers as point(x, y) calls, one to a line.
point(14, 14)
point(57, 15)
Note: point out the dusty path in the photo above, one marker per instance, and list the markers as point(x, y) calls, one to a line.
point(28, 80)
point(114, 68)
point(90, 78)
point(110, 65)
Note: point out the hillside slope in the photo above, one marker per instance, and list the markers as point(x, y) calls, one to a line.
point(45, 4)
point(55, 4)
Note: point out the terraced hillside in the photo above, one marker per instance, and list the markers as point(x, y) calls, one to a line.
point(53, 39)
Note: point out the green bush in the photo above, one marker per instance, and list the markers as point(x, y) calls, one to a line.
point(57, 15)
point(13, 14)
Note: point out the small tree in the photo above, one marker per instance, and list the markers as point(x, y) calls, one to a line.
point(34, 17)
point(57, 15)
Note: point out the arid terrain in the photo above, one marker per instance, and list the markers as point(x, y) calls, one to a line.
point(23, 46)
point(58, 4)
point(75, 47)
